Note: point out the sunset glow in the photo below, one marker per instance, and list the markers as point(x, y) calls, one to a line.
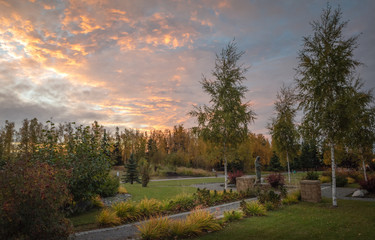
point(138, 64)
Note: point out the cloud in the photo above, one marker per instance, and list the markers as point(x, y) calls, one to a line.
point(138, 63)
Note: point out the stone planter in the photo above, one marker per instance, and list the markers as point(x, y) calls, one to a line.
point(244, 183)
point(310, 191)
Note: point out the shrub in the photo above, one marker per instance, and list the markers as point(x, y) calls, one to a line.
point(195, 172)
point(369, 185)
point(325, 179)
point(253, 208)
point(203, 197)
point(122, 190)
point(230, 216)
point(350, 180)
point(311, 176)
point(270, 198)
point(155, 228)
point(126, 211)
point(32, 195)
point(233, 175)
point(145, 171)
point(181, 203)
point(109, 187)
point(108, 218)
point(149, 207)
point(341, 180)
point(275, 180)
point(290, 199)
point(97, 202)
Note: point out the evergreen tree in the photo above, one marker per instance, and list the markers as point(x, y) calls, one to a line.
point(226, 121)
point(131, 174)
point(324, 80)
point(275, 164)
point(116, 153)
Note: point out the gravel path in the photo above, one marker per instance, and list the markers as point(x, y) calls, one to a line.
point(130, 231)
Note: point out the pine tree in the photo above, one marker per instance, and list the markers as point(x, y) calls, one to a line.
point(275, 163)
point(131, 174)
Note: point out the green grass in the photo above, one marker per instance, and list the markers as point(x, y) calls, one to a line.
point(351, 220)
point(85, 220)
point(163, 190)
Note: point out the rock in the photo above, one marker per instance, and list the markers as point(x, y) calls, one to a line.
point(118, 198)
point(359, 193)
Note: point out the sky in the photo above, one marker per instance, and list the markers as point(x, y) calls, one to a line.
point(138, 64)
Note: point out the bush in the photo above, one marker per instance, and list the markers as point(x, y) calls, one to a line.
point(122, 190)
point(350, 180)
point(145, 171)
point(181, 203)
point(32, 195)
point(97, 202)
point(126, 211)
point(369, 185)
point(109, 187)
point(311, 176)
point(271, 199)
point(325, 179)
point(230, 216)
point(341, 180)
point(108, 218)
point(290, 199)
point(233, 175)
point(195, 172)
point(253, 208)
point(275, 180)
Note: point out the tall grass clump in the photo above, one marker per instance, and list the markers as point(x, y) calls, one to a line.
point(253, 208)
point(149, 207)
point(108, 218)
point(126, 211)
point(230, 216)
point(200, 221)
point(155, 228)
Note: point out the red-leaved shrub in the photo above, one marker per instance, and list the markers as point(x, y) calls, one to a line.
point(275, 179)
point(233, 175)
point(369, 185)
point(32, 195)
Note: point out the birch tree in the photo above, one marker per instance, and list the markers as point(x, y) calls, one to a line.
point(326, 67)
point(225, 122)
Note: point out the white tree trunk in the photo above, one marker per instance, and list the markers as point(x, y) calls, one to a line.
point(225, 173)
point(364, 168)
point(333, 165)
point(225, 169)
point(287, 160)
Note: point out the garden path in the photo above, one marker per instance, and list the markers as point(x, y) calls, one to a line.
point(130, 231)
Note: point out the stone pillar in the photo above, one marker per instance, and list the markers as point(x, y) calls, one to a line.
point(310, 191)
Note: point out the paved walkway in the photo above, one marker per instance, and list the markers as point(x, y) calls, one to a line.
point(342, 193)
point(130, 231)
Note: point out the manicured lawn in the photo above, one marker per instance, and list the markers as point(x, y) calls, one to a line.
point(351, 220)
point(163, 190)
